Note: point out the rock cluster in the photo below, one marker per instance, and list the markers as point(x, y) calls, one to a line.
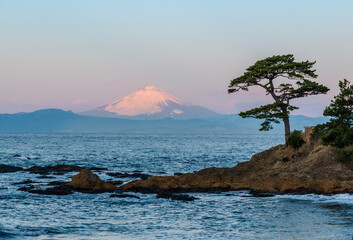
point(312, 168)
point(85, 181)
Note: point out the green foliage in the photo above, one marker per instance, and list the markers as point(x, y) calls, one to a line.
point(271, 68)
point(295, 83)
point(341, 108)
point(338, 137)
point(270, 112)
point(338, 131)
point(345, 156)
point(295, 140)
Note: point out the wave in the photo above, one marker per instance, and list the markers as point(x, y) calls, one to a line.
point(6, 235)
point(343, 198)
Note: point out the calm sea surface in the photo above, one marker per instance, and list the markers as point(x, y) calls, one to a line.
point(213, 216)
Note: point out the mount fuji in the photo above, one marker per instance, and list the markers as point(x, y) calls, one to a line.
point(152, 103)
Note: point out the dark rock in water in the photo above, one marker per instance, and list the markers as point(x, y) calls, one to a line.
point(85, 182)
point(261, 194)
point(59, 190)
point(178, 174)
point(58, 169)
point(45, 177)
point(56, 183)
point(115, 182)
point(89, 182)
point(7, 168)
point(142, 176)
point(98, 169)
point(28, 181)
point(18, 156)
point(303, 191)
point(27, 188)
point(157, 189)
point(124, 196)
point(173, 196)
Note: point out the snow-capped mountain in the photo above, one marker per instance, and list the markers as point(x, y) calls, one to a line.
point(151, 102)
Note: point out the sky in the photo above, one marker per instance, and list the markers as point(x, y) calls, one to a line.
point(82, 54)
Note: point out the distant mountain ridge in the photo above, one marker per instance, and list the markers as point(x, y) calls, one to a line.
point(151, 102)
point(59, 121)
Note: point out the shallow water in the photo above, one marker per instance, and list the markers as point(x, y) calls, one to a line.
point(234, 215)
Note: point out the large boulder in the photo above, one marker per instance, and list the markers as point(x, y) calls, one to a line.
point(86, 180)
point(313, 168)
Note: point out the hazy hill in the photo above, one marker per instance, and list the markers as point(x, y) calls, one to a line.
point(56, 120)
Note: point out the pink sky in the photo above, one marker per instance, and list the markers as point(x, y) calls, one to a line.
point(92, 54)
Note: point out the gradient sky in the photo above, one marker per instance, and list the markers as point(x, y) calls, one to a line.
point(82, 54)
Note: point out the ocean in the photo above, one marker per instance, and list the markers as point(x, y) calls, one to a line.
point(231, 215)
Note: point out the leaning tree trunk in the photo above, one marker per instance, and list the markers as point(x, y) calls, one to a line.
point(286, 129)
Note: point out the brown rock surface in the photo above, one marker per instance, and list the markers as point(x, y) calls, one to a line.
point(86, 180)
point(311, 168)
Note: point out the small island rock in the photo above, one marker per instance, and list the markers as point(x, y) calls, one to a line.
point(7, 168)
point(86, 180)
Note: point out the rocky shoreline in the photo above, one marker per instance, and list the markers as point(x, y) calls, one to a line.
point(84, 182)
point(313, 168)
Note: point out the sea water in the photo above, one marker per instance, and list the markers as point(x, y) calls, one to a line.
point(232, 215)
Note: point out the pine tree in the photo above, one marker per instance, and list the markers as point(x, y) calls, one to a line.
point(284, 79)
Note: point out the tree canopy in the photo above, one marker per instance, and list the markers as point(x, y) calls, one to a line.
point(283, 79)
point(338, 131)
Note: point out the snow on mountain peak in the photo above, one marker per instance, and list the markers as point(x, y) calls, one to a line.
point(148, 100)
point(150, 87)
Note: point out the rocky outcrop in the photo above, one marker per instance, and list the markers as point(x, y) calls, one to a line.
point(313, 168)
point(58, 190)
point(173, 196)
point(57, 169)
point(7, 168)
point(88, 181)
point(85, 181)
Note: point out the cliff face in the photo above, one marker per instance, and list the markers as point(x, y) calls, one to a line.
point(311, 168)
